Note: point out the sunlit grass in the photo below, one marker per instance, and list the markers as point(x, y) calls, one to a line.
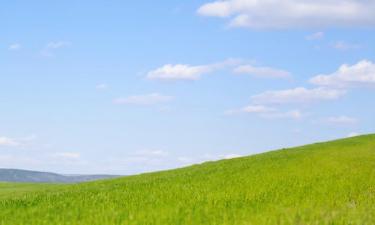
point(327, 183)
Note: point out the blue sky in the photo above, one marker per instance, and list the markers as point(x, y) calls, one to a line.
point(127, 87)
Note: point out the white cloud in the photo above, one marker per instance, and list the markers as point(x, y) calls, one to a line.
point(9, 142)
point(315, 36)
point(171, 72)
point(149, 99)
point(353, 134)
point(14, 47)
point(178, 72)
point(344, 46)
point(292, 13)
point(342, 120)
point(263, 72)
point(230, 156)
point(257, 109)
point(297, 95)
point(361, 74)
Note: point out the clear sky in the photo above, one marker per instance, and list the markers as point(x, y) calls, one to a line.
point(126, 87)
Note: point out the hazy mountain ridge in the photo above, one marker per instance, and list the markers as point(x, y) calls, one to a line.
point(17, 175)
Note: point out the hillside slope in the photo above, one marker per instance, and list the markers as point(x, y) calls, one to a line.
point(14, 175)
point(325, 183)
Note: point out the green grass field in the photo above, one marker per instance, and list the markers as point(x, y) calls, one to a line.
point(325, 183)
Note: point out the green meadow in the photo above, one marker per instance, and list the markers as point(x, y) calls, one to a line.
point(323, 183)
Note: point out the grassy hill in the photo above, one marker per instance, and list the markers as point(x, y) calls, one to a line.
point(325, 183)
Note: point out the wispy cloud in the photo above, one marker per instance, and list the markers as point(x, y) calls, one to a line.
point(315, 36)
point(14, 47)
point(179, 72)
point(145, 160)
point(102, 86)
point(9, 142)
point(17, 161)
point(353, 134)
point(212, 157)
point(16, 142)
point(256, 109)
point(231, 156)
point(266, 112)
point(50, 47)
point(342, 120)
point(345, 46)
point(262, 72)
point(173, 72)
point(297, 95)
point(67, 155)
point(293, 114)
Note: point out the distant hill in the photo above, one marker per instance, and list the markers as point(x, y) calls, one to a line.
point(15, 175)
point(324, 183)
